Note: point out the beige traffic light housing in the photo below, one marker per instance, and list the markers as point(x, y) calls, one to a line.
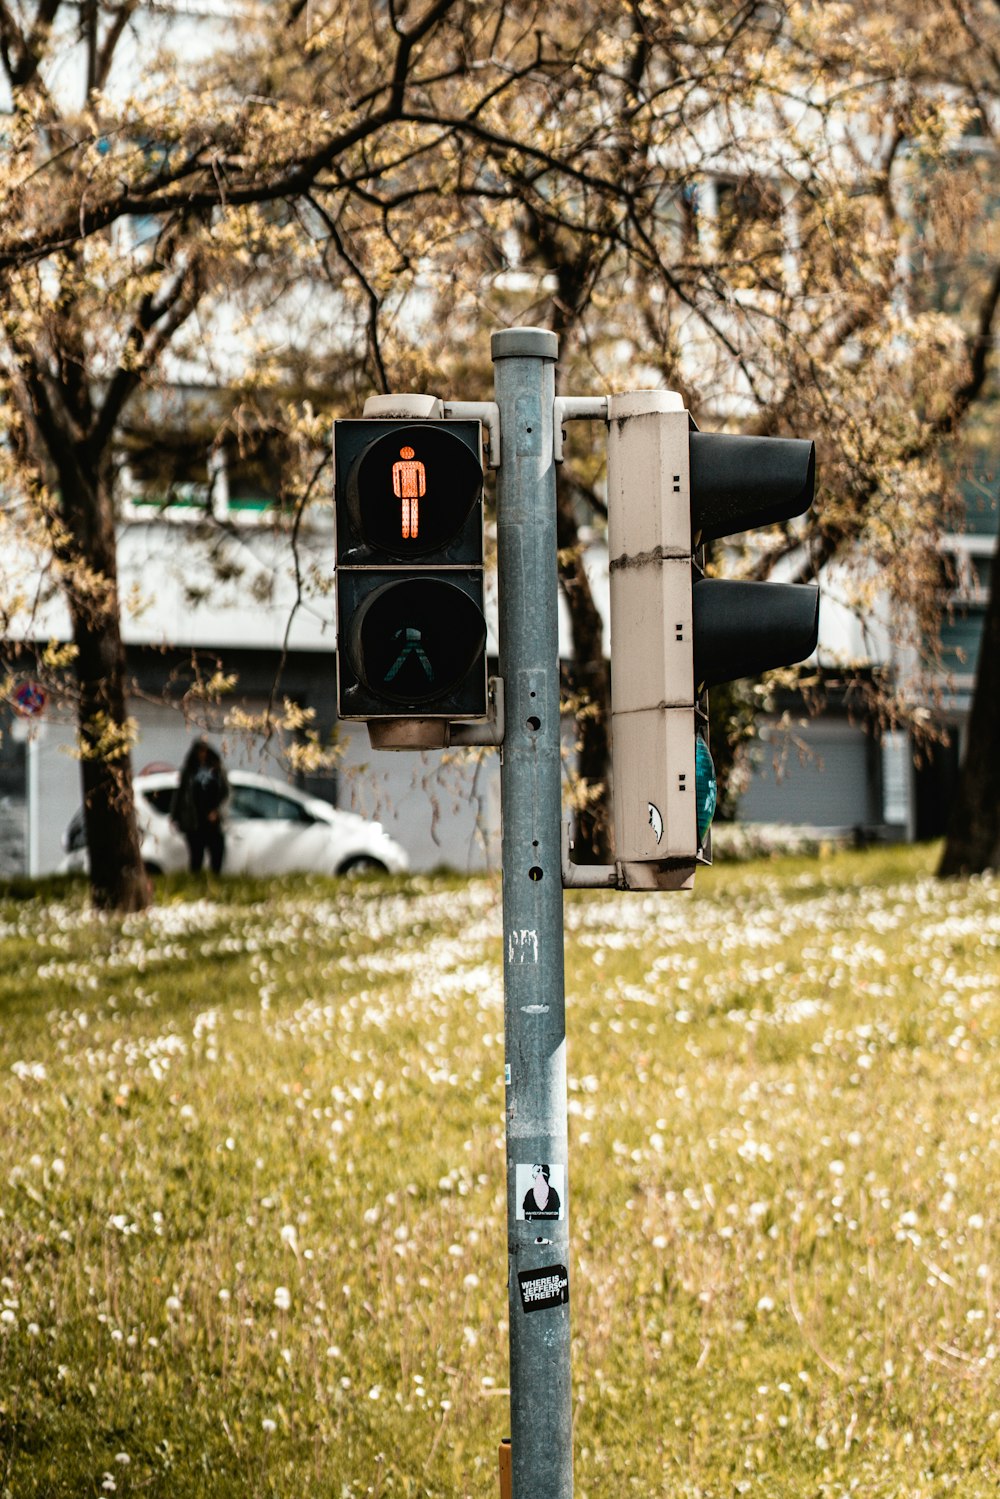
point(653, 718)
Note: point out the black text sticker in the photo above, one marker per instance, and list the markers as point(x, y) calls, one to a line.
point(541, 1289)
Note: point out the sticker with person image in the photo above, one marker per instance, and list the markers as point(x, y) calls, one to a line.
point(540, 1188)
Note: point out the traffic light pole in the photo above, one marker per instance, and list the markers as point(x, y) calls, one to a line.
point(412, 663)
point(534, 999)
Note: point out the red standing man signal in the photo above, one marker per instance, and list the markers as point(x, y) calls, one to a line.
point(409, 483)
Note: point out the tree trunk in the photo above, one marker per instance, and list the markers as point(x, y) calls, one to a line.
point(118, 880)
point(973, 841)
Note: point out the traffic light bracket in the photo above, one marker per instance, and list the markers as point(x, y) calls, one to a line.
point(434, 408)
point(441, 733)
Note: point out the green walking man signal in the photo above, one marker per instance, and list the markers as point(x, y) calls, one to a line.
point(411, 647)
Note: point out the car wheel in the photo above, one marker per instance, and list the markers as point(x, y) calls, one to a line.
point(362, 864)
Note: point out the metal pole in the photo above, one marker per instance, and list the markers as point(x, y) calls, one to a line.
point(34, 811)
point(534, 999)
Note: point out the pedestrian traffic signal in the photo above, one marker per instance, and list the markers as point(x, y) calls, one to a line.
point(411, 639)
point(676, 632)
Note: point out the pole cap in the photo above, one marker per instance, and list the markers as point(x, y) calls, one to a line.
point(524, 343)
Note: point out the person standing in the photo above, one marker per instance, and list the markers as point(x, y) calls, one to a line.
point(198, 804)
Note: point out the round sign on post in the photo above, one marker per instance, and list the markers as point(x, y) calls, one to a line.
point(30, 700)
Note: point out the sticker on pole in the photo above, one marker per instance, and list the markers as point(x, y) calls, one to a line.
point(540, 1189)
point(544, 1288)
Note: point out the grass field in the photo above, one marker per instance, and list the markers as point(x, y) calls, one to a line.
point(252, 1235)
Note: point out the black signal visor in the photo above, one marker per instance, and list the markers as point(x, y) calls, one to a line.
point(738, 483)
point(742, 629)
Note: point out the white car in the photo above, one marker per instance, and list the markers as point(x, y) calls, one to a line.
point(270, 828)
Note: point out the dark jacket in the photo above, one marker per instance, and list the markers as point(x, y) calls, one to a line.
point(531, 1210)
point(203, 789)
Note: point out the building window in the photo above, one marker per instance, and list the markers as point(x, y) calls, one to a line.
point(180, 477)
point(176, 477)
point(966, 576)
point(750, 233)
point(254, 473)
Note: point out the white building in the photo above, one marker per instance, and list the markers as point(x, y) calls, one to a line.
point(231, 593)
